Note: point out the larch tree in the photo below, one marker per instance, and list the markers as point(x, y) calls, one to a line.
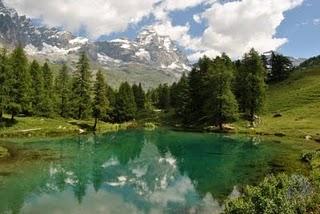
point(37, 89)
point(4, 83)
point(126, 107)
point(281, 67)
point(181, 95)
point(221, 106)
point(63, 90)
point(139, 96)
point(82, 88)
point(101, 103)
point(20, 82)
point(48, 98)
point(251, 82)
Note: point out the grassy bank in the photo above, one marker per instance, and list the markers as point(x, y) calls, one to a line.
point(292, 108)
point(38, 127)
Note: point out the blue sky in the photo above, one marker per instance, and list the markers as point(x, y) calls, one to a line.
point(199, 26)
point(302, 30)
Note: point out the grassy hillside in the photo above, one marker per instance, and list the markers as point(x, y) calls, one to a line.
point(298, 101)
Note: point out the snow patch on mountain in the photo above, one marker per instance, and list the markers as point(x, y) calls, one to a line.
point(143, 54)
point(79, 41)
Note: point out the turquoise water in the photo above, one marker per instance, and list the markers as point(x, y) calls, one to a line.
point(135, 172)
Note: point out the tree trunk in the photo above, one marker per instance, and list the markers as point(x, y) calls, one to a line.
point(95, 124)
point(79, 114)
point(12, 117)
point(1, 115)
point(221, 126)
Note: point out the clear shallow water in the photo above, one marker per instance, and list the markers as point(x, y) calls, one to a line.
point(135, 172)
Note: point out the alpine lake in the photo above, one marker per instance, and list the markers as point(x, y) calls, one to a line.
point(138, 171)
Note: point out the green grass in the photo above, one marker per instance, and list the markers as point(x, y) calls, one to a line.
point(298, 100)
point(37, 126)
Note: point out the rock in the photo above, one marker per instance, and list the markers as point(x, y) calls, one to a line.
point(317, 140)
point(81, 131)
point(277, 115)
point(308, 137)
point(312, 158)
point(4, 152)
point(279, 134)
point(228, 127)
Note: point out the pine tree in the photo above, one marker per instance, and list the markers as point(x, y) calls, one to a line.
point(164, 97)
point(20, 82)
point(181, 95)
point(251, 83)
point(111, 96)
point(63, 89)
point(4, 83)
point(125, 104)
point(48, 98)
point(82, 88)
point(139, 96)
point(101, 103)
point(281, 68)
point(37, 89)
point(221, 107)
point(198, 85)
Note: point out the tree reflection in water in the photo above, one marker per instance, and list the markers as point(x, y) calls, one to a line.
point(133, 172)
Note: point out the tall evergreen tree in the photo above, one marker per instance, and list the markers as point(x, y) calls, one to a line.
point(251, 83)
point(125, 104)
point(20, 81)
point(139, 96)
point(281, 68)
point(48, 98)
point(82, 88)
point(63, 89)
point(37, 89)
point(164, 97)
point(4, 83)
point(101, 103)
point(198, 84)
point(221, 106)
point(181, 95)
point(111, 96)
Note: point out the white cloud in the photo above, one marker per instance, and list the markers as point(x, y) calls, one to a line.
point(197, 18)
point(98, 17)
point(316, 21)
point(237, 26)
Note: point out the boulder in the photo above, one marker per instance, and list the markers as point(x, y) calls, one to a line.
point(279, 134)
point(4, 152)
point(308, 137)
point(228, 127)
point(276, 115)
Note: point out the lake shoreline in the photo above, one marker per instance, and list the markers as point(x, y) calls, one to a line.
point(36, 132)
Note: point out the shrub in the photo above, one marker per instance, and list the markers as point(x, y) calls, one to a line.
point(276, 194)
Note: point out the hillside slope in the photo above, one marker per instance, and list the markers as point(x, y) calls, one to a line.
point(298, 101)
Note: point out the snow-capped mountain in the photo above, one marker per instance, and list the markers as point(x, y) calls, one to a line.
point(148, 48)
point(149, 52)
